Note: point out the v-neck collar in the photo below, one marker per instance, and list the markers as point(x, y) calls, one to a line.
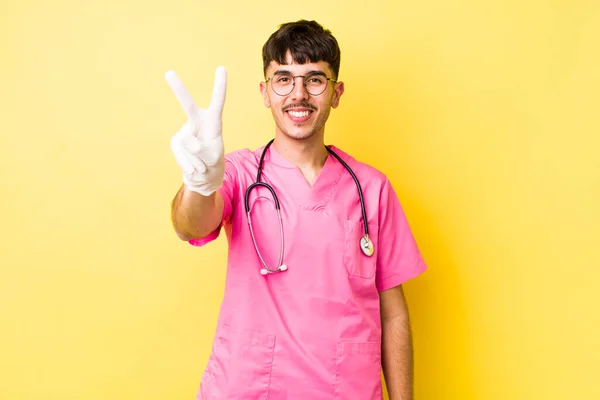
point(324, 186)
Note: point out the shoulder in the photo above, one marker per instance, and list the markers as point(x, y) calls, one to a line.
point(241, 165)
point(241, 156)
point(366, 173)
point(242, 160)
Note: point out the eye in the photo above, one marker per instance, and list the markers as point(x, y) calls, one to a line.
point(315, 79)
point(283, 79)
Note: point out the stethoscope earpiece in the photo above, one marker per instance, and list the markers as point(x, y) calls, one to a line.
point(264, 271)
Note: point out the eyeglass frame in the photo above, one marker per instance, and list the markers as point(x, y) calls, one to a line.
point(312, 73)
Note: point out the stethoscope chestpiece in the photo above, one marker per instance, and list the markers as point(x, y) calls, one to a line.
point(366, 245)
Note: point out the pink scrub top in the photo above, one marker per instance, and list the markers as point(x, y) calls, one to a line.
point(312, 332)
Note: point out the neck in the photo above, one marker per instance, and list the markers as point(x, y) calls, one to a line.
point(305, 154)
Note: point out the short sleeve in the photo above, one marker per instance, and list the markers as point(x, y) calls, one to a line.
point(399, 258)
point(227, 191)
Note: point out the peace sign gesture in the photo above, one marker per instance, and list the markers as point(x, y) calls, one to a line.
point(198, 146)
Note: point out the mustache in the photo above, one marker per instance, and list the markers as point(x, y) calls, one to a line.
point(300, 105)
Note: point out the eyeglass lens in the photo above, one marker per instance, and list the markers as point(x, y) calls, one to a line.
point(283, 84)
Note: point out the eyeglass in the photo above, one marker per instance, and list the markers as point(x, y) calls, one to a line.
point(315, 83)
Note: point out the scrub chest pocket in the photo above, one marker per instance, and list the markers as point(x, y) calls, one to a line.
point(356, 262)
point(240, 365)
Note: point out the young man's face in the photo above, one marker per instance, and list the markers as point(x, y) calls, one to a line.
point(300, 115)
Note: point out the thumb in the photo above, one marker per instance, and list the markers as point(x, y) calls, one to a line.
point(219, 89)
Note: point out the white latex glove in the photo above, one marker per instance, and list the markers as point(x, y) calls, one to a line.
point(198, 146)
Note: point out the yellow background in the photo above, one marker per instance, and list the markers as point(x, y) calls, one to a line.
point(484, 114)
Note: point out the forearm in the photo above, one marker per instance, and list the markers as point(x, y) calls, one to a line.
point(195, 215)
point(397, 357)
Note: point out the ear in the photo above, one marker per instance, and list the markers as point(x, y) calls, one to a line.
point(337, 93)
point(263, 91)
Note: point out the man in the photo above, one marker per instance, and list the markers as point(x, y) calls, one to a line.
point(313, 305)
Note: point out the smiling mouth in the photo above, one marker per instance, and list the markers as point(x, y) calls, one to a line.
point(299, 114)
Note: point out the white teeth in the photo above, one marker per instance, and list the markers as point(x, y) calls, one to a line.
point(298, 114)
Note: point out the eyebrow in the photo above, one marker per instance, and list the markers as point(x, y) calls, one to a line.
point(286, 72)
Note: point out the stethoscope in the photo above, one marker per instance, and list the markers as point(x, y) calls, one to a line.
point(366, 245)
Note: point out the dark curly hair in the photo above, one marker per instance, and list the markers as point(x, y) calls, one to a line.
point(307, 41)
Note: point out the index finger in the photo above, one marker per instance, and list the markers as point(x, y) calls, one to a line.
point(219, 88)
point(183, 96)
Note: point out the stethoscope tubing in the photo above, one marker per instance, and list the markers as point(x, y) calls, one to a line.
point(360, 192)
point(258, 183)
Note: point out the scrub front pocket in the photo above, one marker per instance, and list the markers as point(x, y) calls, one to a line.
point(358, 371)
point(239, 367)
point(356, 262)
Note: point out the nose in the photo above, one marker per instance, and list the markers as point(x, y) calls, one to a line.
point(299, 90)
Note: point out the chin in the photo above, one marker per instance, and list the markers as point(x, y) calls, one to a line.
point(298, 135)
point(298, 132)
point(295, 132)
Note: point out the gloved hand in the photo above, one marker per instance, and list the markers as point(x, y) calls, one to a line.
point(198, 146)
